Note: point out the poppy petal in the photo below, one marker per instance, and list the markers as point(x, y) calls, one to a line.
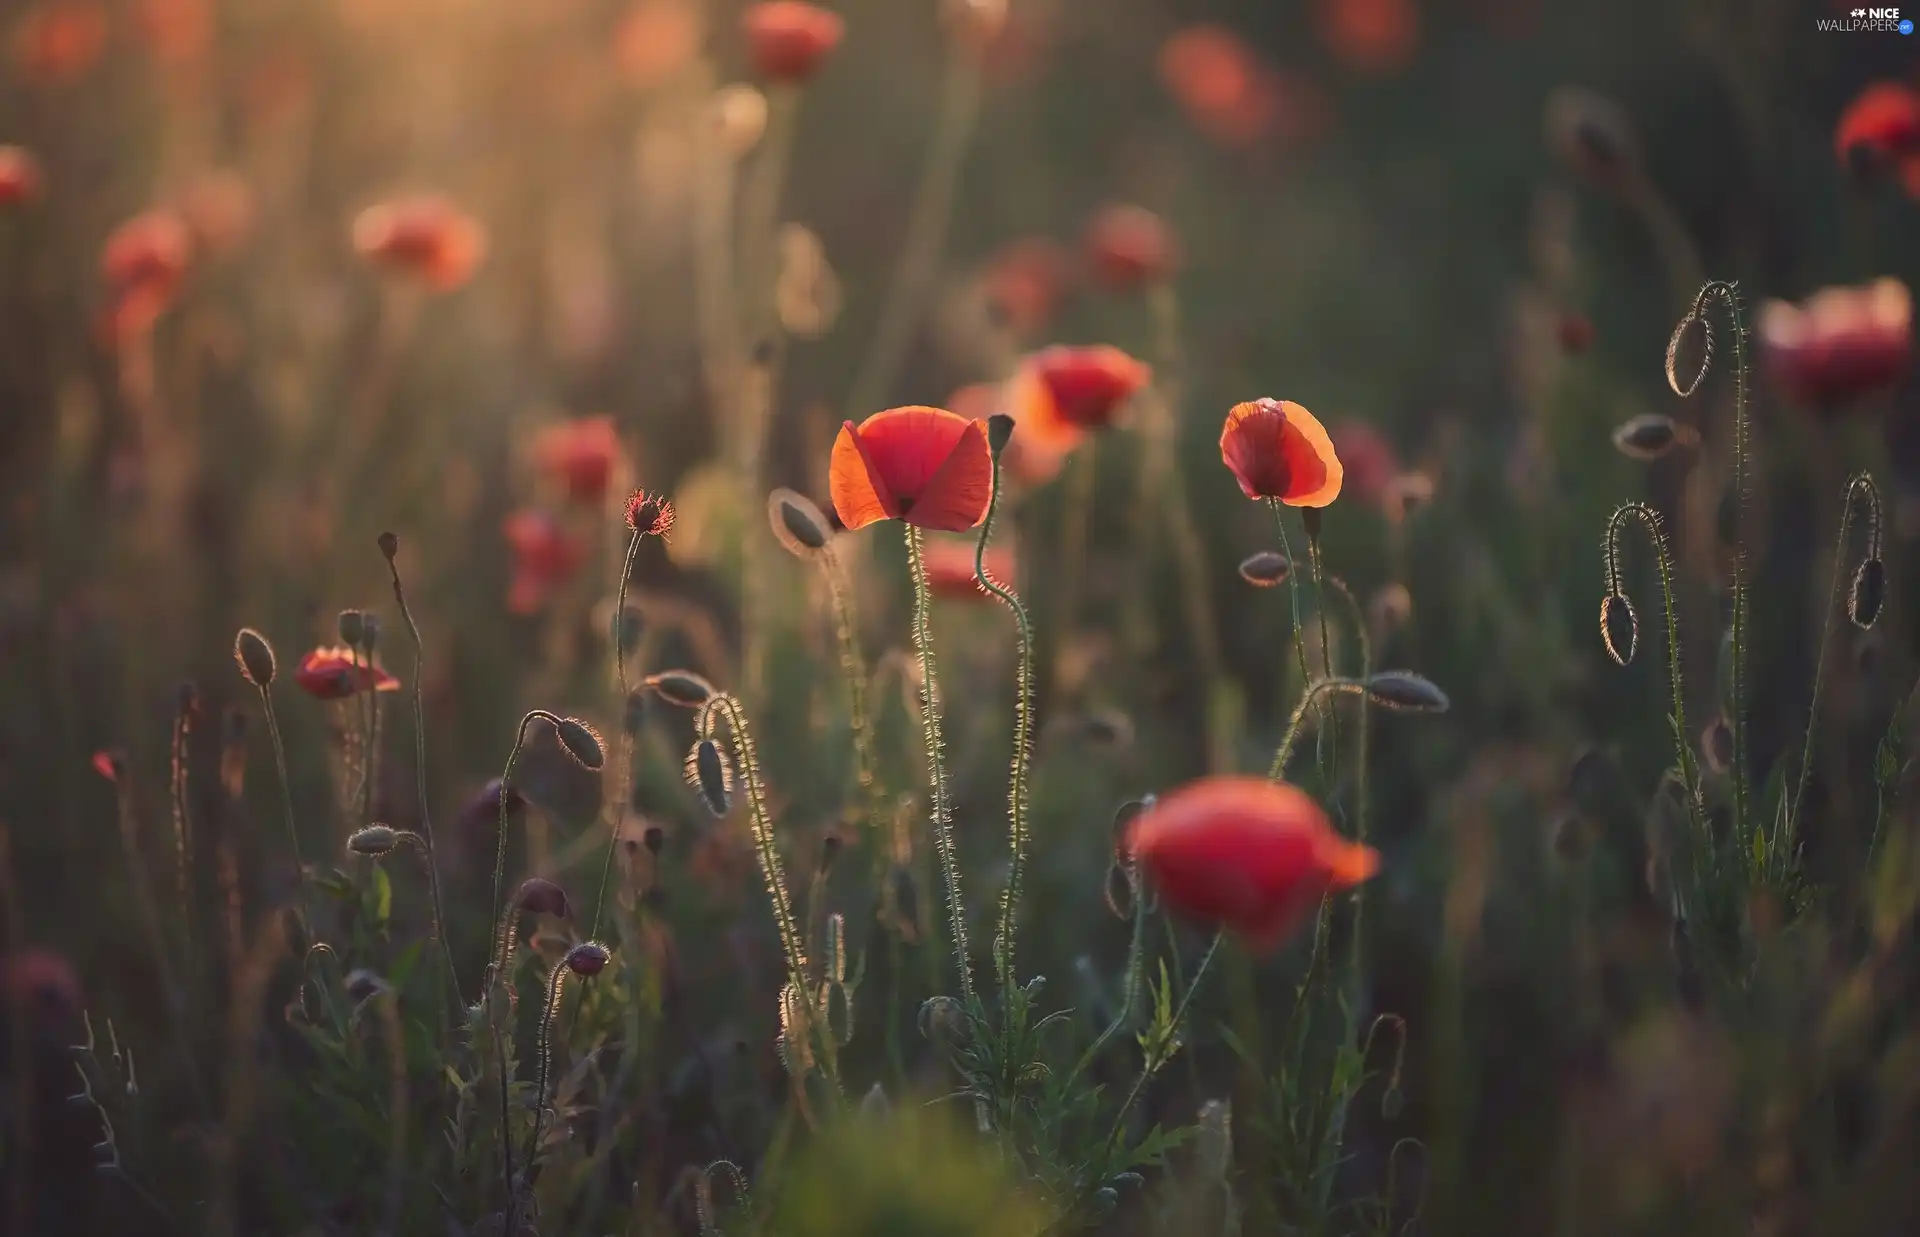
point(860, 494)
point(1312, 463)
point(1032, 405)
point(956, 497)
point(1250, 448)
point(907, 446)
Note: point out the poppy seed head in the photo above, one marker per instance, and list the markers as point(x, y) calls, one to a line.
point(539, 896)
point(650, 515)
point(255, 657)
point(352, 626)
point(1266, 568)
point(1869, 591)
point(709, 773)
point(587, 959)
point(999, 432)
point(1650, 436)
point(681, 687)
point(1619, 628)
point(1406, 692)
point(374, 841)
point(389, 546)
point(582, 742)
point(798, 524)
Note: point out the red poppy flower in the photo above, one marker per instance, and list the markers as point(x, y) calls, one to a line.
point(427, 238)
point(1228, 94)
point(1367, 459)
point(1841, 344)
point(56, 42)
point(656, 40)
point(1128, 247)
point(109, 765)
point(1880, 129)
point(787, 39)
point(1242, 853)
point(20, 178)
point(580, 455)
point(950, 568)
point(1370, 36)
point(926, 466)
point(1025, 283)
point(145, 261)
point(1276, 449)
point(335, 673)
point(1574, 331)
point(1059, 394)
point(177, 31)
point(545, 556)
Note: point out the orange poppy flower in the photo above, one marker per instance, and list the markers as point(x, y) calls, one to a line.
point(334, 673)
point(925, 466)
point(1060, 393)
point(56, 42)
point(427, 238)
point(656, 40)
point(1367, 460)
point(1245, 854)
point(950, 568)
point(580, 455)
point(1025, 283)
point(1128, 247)
point(787, 39)
point(1276, 449)
point(1370, 36)
point(1880, 129)
point(144, 261)
point(176, 31)
point(20, 177)
point(545, 556)
point(1224, 89)
point(1841, 344)
point(1024, 459)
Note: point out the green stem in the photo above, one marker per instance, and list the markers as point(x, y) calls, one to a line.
point(1277, 771)
point(1152, 1068)
point(500, 845)
point(866, 748)
point(942, 805)
point(1649, 520)
point(1130, 991)
point(626, 737)
point(1018, 788)
point(286, 802)
point(1293, 593)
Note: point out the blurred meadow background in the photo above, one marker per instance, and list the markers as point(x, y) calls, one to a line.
point(279, 278)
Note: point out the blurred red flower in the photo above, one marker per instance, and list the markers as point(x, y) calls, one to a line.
point(176, 31)
point(42, 985)
point(219, 211)
point(787, 39)
point(657, 39)
point(1248, 855)
point(426, 238)
point(1025, 459)
point(56, 42)
point(545, 556)
point(144, 261)
point(1277, 449)
point(20, 177)
point(1841, 344)
point(1369, 36)
point(1228, 94)
point(1574, 331)
point(925, 466)
point(1059, 394)
point(336, 672)
point(1367, 459)
point(1880, 130)
point(950, 568)
point(580, 455)
point(1128, 247)
point(1025, 283)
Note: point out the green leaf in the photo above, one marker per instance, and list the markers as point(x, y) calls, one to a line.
point(382, 895)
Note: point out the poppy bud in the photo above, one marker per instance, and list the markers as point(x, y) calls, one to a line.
point(1406, 692)
point(370, 631)
point(1123, 816)
point(374, 840)
point(1716, 744)
point(943, 1020)
point(739, 117)
point(351, 627)
point(1119, 891)
point(787, 39)
point(364, 985)
point(389, 546)
point(1693, 334)
point(681, 687)
point(999, 432)
point(1868, 592)
point(582, 742)
point(654, 838)
point(539, 896)
point(798, 524)
point(255, 657)
point(1406, 494)
point(586, 959)
point(1105, 1200)
point(1265, 569)
point(1593, 137)
point(829, 851)
point(1619, 628)
point(1650, 436)
point(709, 773)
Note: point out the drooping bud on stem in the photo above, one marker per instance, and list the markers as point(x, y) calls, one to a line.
point(255, 657)
point(681, 687)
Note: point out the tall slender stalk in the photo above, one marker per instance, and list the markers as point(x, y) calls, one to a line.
point(1293, 592)
point(1151, 1068)
point(626, 737)
point(866, 747)
point(1649, 520)
point(286, 803)
point(942, 803)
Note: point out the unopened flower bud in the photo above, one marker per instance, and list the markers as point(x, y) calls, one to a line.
point(709, 773)
point(255, 657)
point(586, 959)
point(539, 896)
point(1265, 569)
point(352, 627)
point(798, 523)
point(374, 840)
point(681, 687)
point(1406, 692)
point(1868, 593)
point(999, 432)
point(1619, 628)
point(582, 742)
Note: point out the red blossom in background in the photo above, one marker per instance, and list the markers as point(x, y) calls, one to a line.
point(581, 456)
point(1277, 449)
point(950, 568)
point(1366, 457)
point(1061, 394)
point(545, 557)
point(1025, 283)
point(656, 40)
point(56, 42)
point(176, 31)
point(1225, 90)
point(1374, 37)
point(21, 180)
point(1128, 248)
point(1880, 132)
point(336, 672)
point(425, 238)
point(1841, 344)
point(787, 40)
point(144, 263)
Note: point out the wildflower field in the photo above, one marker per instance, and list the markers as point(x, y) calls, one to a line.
point(959, 618)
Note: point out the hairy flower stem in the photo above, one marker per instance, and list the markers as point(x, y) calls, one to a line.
point(625, 770)
point(420, 779)
point(286, 804)
point(1860, 485)
point(1076, 526)
point(182, 822)
point(556, 989)
point(1152, 1067)
point(398, 1133)
point(1277, 771)
point(1327, 741)
point(1354, 946)
point(926, 237)
point(1728, 295)
point(1293, 595)
point(500, 845)
point(942, 803)
point(1649, 520)
point(866, 746)
point(1130, 984)
point(1018, 787)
